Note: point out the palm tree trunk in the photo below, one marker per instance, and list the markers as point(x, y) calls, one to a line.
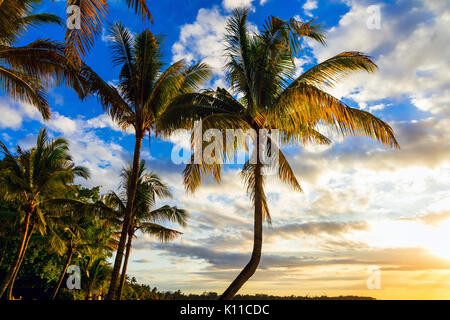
point(126, 221)
point(252, 265)
point(124, 268)
point(63, 273)
point(16, 261)
point(5, 248)
point(88, 293)
point(11, 284)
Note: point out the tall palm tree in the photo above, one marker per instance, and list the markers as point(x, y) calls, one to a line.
point(33, 178)
point(144, 219)
point(27, 71)
point(261, 69)
point(143, 93)
point(92, 12)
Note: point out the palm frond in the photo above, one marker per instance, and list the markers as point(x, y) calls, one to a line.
point(141, 8)
point(163, 234)
point(106, 94)
point(286, 173)
point(308, 104)
point(293, 31)
point(16, 18)
point(168, 213)
point(21, 86)
point(333, 70)
point(253, 179)
point(79, 41)
point(193, 174)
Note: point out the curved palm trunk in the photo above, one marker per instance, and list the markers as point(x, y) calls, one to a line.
point(126, 221)
point(125, 264)
point(252, 265)
point(63, 273)
point(15, 264)
point(13, 280)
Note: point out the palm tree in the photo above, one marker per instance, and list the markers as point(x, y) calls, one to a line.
point(95, 272)
point(143, 93)
point(92, 12)
point(261, 69)
point(9, 223)
point(27, 71)
point(77, 228)
point(149, 188)
point(34, 178)
point(76, 234)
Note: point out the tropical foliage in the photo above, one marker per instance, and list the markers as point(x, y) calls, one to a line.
point(26, 72)
point(48, 222)
point(32, 182)
point(143, 219)
point(62, 224)
point(144, 91)
point(92, 14)
point(261, 70)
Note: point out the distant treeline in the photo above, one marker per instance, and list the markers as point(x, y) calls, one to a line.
point(145, 292)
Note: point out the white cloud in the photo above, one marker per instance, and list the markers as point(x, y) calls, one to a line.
point(62, 124)
point(202, 40)
point(14, 113)
point(347, 181)
point(104, 121)
point(10, 118)
point(235, 4)
point(299, 62)
point(309, 6)
point(411, 49)
point(104, 159)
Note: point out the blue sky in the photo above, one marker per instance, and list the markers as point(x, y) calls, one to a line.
point(362, 204)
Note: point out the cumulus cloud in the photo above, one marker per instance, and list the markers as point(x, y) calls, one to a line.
point(14, 113)
point(104, 121)
point(10, 118)
point(309, 6)
point(236, 4)
point(349, 186)
point(424, 143)
point(104, 159)
point(202, 40)
point(414, 64)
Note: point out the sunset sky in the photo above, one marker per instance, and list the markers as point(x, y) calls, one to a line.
point(362, 205)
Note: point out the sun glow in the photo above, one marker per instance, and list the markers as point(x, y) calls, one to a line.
point(411, 233)
point(437, 240)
